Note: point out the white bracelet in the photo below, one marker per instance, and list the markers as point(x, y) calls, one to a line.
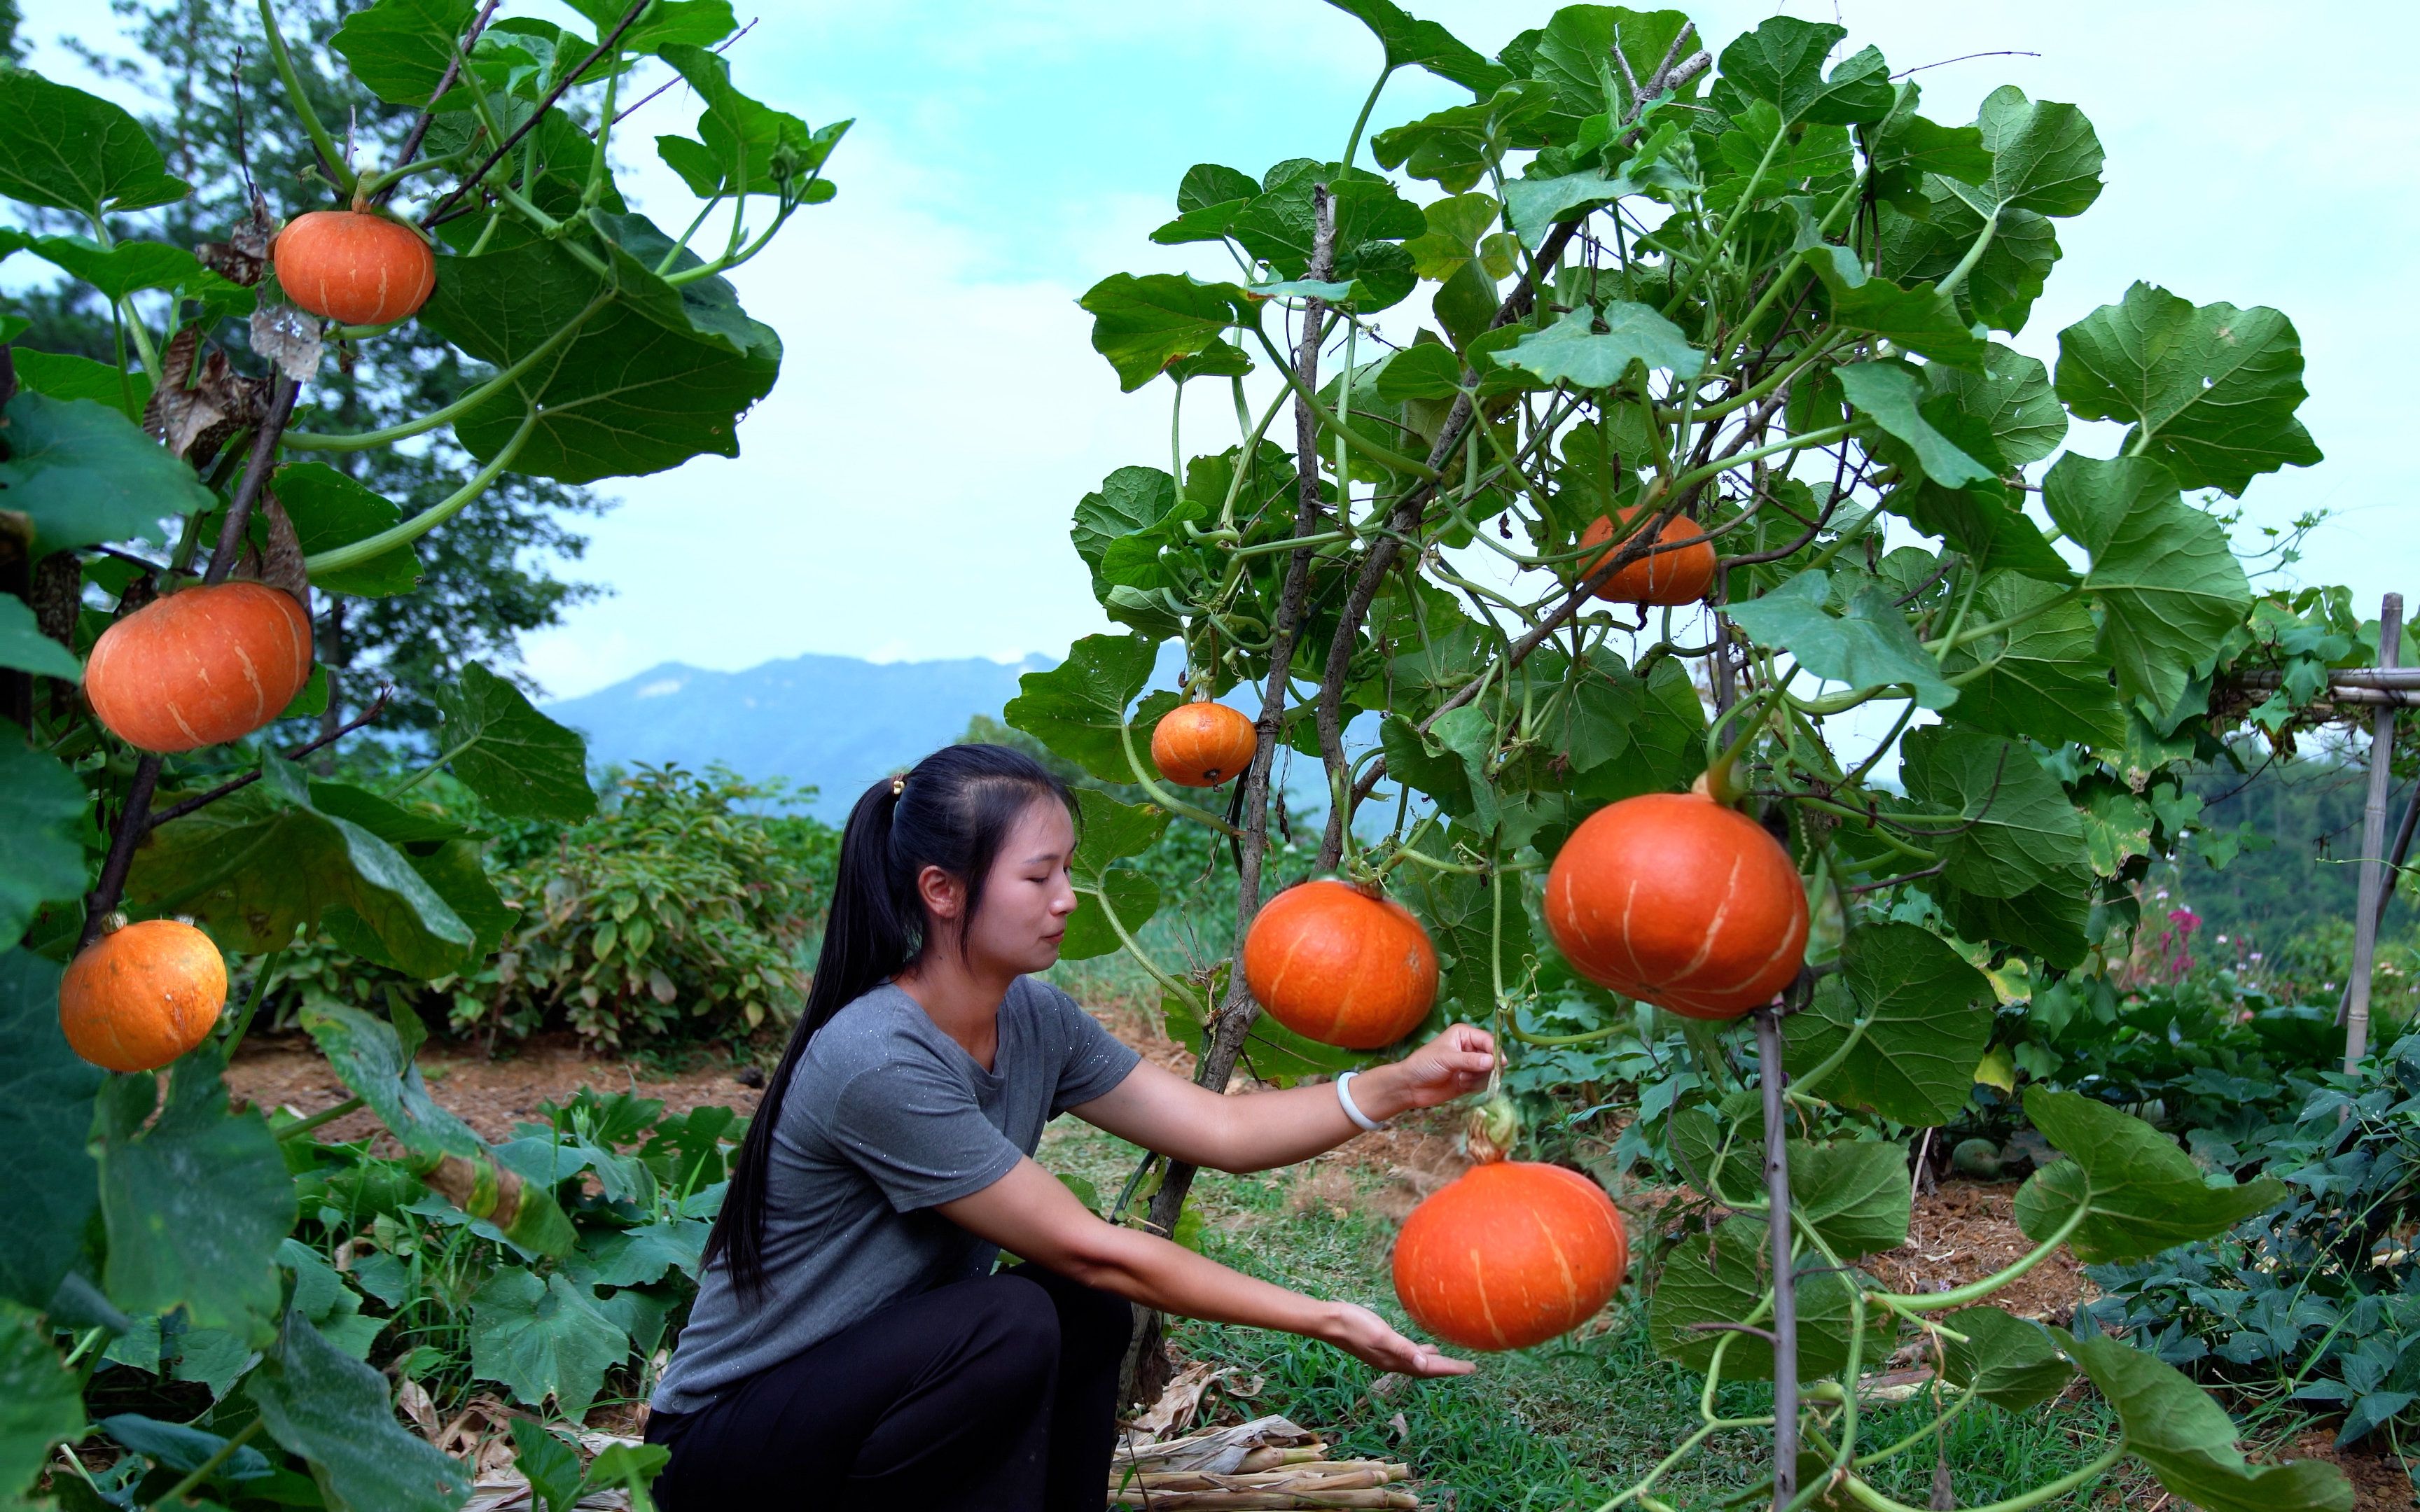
point(1345, 1101)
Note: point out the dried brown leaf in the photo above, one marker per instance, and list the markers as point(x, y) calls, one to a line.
point(289, 337)
point(241, 258)
point(195, 415)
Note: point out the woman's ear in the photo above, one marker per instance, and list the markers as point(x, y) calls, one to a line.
point(943, 894)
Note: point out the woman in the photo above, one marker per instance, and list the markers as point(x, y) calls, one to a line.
point(852, 1345)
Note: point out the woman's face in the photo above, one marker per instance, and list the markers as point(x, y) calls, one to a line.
point(1029, 895)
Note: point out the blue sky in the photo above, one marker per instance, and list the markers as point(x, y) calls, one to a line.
point(905, 491)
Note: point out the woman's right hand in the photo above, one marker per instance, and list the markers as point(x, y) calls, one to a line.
point(1364, 1334)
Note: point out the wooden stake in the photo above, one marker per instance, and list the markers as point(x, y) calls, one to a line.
point(2373, 843)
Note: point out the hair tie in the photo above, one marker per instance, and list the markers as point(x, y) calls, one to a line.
point(899, 784)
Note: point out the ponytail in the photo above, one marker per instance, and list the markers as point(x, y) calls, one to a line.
point(952, 809)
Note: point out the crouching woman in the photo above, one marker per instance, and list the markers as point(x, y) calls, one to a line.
point(852, 1345)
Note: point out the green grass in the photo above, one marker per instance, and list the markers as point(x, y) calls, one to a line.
point(1561, 1427)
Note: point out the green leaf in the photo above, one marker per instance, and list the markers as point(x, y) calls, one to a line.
point(1424, 370)
point(1922, 319)
point(1891, 394)
point(541, 1339)
point(638, 1257)
point(2044, 156)
point(1927, 1015)
point(196, 1204)
point(1272, 1051)
point(1079, 707)
point(1719, 1278)
point(1278, 224)
point(1412, 43)
point(2210, 391)
point(745, 146)
point(1853, 1192)
point(2139, 1193)
point(2045, 680)
point(365, 1053)
point(521, 764)
point(121, 270)
point(334, 1411)
point(2016, 827)
point(1986, 522)
point(1575, 56)
point(2047, 919)
point(1142, 324)
point(1782, 62)
point(330, 510)
point(204, 865)
point(2010, 1362)
point(400, 49)
point(550, 1465)
point(49, 1185)
point(666, 22)
point(65, 375)
point(2167, 580)
point(64, 149)
point(1869, 646)
point(1108, 832)
point(2188, 1441)
point(638, 389)
point(85, 474)
point(41, 1401)
point(43, 812)
point(178, 1447)
point(1455, 148)
point(1572, 351)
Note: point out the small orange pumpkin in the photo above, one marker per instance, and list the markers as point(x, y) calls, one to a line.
point(1509, 1253)
point(143, 995)
point(1203, 745)
point(353, 267)
point(1681, 902)
point(1680, 576)
point(201, 667)
point(1339, 966)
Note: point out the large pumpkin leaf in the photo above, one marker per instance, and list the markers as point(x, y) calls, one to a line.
point(543, 1338)
point(84, 474)
point(1719, 1278)
point(2189, 1442)
point(2047, 919)
point(330, 510)
point(1079, 707)
point(1893, 394)
point(42, 809)
point(1109, 832)
point(2210, 390)
point(400, 49)
point(629, 394)
point(196, 1204)
point(1926, 1018)
point(2040, 679)
point(1142, 323)
point(1869, 646)
point(2011, 396)
point(65, 376)
point(336, 1413)
point(1853, 1192)
point(67, 150)
point(1781, 62)
point(369, 1056)
point(41, 1401)
point(2045, 157)
point(214, 864)
point(521, 763)
point(2015, 828)
point(49, 1185)
point(1412, 43)
point(1574, 51)
point(2009, 1361)
point(2138, 1193)
point(1573, 351)
point(744, 146)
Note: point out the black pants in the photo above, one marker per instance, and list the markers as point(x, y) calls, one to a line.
point(998, 1395)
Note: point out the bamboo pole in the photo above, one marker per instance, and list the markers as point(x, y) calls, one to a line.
point(2373, 843)
point(1785, 1281)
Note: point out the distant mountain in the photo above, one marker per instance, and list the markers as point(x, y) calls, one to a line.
point(834, 723)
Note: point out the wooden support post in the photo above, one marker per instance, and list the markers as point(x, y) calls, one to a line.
point(2373, 843)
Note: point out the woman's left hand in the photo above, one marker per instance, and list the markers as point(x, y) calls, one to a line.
point(1454, 1064)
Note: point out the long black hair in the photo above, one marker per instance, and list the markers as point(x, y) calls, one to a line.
point(953, 811)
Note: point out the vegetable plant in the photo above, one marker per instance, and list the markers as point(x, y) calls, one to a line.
point(164, 521)
point(1708, 465)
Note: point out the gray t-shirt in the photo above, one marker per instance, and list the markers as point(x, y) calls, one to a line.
point(886, 1116)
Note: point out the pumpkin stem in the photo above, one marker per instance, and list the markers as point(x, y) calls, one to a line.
point(1493, 1130)
point(113, 921)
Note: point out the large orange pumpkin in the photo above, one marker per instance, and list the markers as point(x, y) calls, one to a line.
point(143, 995)
point(1681, 576)
point(1338, 966)
point(201, 667)
point(1510, 1255)
point(353, 267)
point(1203, 745)
point(1681, 902)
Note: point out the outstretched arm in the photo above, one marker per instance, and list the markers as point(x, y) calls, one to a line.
point(1166, 1113)
point(1032, 1214)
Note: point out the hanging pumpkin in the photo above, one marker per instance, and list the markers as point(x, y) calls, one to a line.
point(142, 994)
point(201, 667)
point(1337, 966)
point(354, 267)
point(1509, 1255)
point(1203, 745)
point(1680, 576)
point(1681, 902)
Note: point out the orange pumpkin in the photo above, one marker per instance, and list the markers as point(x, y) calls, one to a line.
point(1203, 745)
point(1336, 965)
point(353, 267)
point(1681, 902)
point(1509, 1255)
point(1681, 576)
point(201, 667)
point(143, 995)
